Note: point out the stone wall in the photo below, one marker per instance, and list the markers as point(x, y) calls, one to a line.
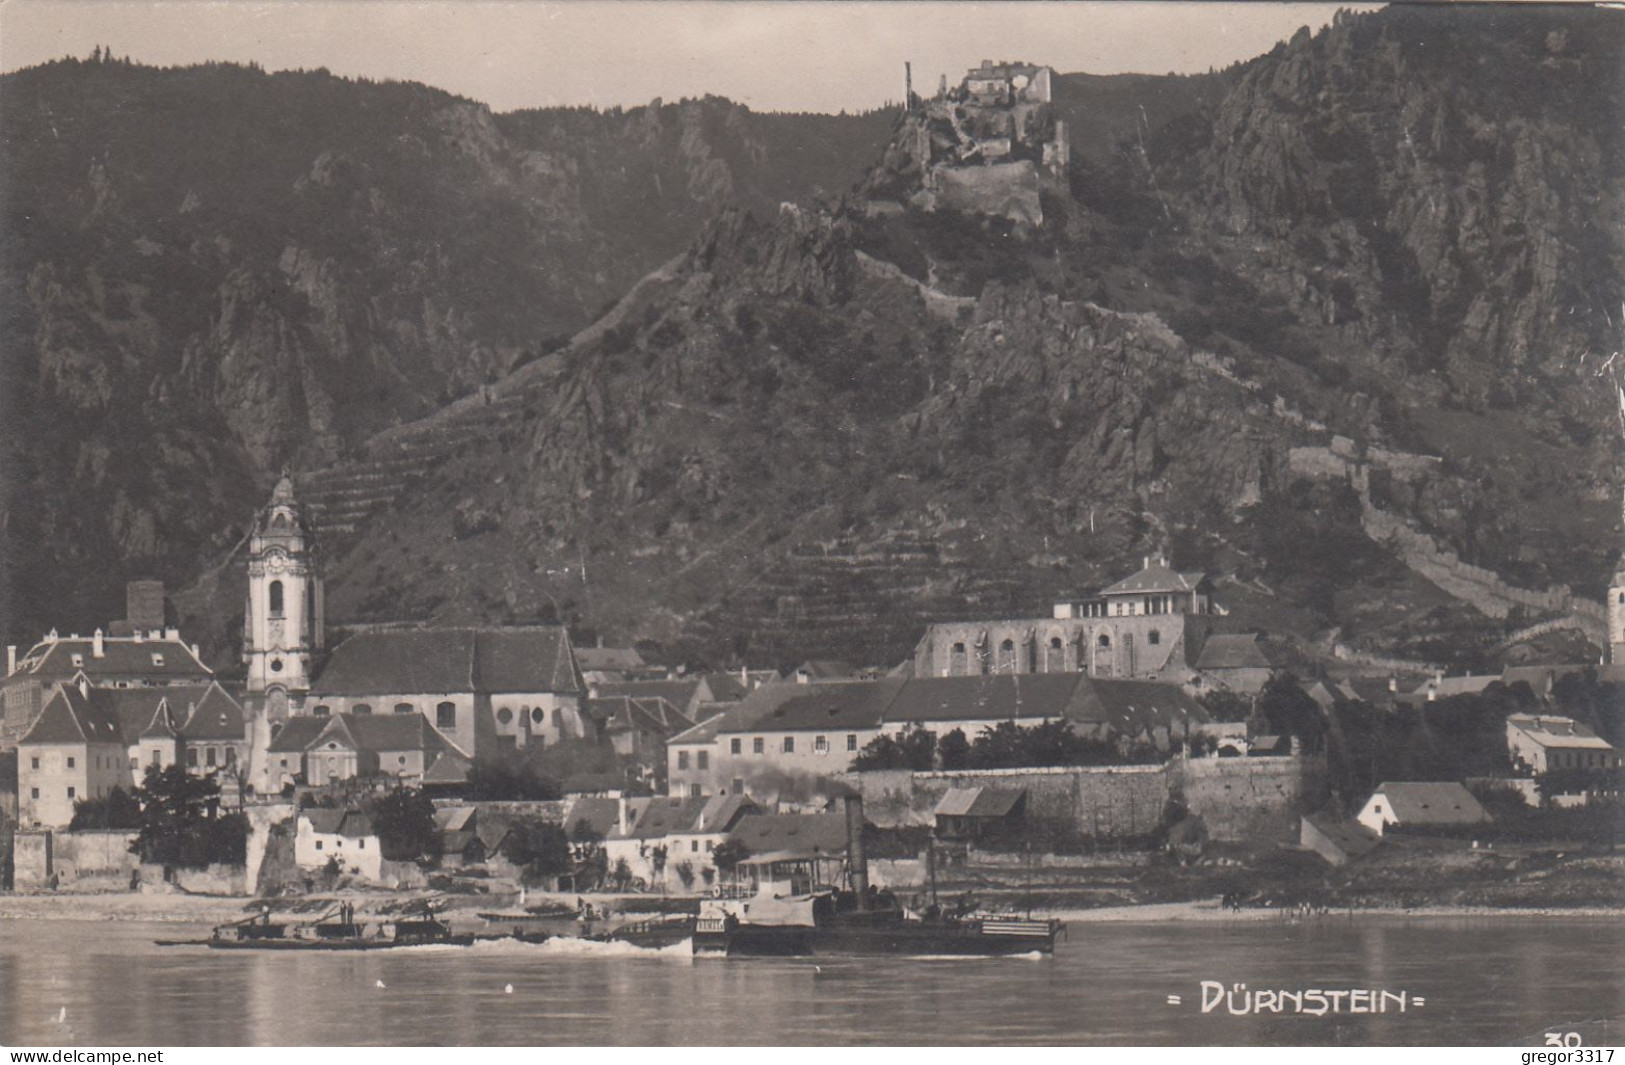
point(1101, 801)
point(1009, 190)
point(1252, 798)
point(214, 879)
point(1237, 798)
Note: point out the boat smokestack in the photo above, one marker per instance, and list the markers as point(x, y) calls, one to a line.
point(857, 862)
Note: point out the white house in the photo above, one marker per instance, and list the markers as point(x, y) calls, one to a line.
point(347, 835)
point(1412, 805)
point(1543, 742)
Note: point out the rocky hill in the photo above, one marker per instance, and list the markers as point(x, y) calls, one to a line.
point(213, 272)
point(1328, 324)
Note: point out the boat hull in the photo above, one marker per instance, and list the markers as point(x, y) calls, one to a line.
point(747, 941)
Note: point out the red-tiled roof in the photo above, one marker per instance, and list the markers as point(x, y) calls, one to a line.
point(451, 660)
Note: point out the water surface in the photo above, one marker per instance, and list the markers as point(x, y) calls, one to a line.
point(1483, 980)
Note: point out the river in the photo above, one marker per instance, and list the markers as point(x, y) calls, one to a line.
point(1482, 981)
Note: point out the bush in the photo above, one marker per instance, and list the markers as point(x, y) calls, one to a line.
point(117, 809)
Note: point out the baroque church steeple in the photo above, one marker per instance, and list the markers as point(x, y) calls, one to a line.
point(283, 620)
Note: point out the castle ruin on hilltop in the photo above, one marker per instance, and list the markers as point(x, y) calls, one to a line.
point(987, 145)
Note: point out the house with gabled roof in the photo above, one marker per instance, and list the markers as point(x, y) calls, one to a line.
point(1539, 743)
point(1420, 804)
point(678, 829)
point(1234, 662)
point(137, 657)
point(344, 836)
point(325, 750)
point(69, 748)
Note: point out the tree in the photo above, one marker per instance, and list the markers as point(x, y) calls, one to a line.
point(541, 848)
point(587, 850)
point(1291, 712)
point(914, 749)
point(953, 750)
point(404, 821)
point(729, 854)
point(657, 862)
point(622, 875)
point(685, 873)
point(507, 778)
point(117, 809)
point(181, 822)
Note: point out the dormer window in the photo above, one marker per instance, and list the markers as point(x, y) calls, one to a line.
point(158, 660)
point(78, 661)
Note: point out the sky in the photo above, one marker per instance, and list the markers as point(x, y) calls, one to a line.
point(810, 55)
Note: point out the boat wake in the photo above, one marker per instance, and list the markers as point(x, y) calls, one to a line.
point(565, 946)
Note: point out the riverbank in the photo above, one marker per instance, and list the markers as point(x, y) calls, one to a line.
point(193, 909)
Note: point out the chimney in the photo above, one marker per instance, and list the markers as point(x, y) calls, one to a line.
point(744, 677)
point(172, 634)
point(11, 659)
point(96, 648)
point(1438, 677)
point(620, 815)
point(856, 861)
point(1393, 683)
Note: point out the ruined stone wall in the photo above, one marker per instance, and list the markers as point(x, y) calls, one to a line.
point(1130, 652)
point(1008, 190)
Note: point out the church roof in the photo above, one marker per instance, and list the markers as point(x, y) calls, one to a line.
point(214, 716)
point(444, 661)
point(361, 732)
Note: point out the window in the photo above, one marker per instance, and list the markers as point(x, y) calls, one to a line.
point(401, 759)
point(504, 716)
point(738, 786)
point(78, 660)
point(157, 659)
point(1154, 637)
point(70, 793)
point(820, 744)
point(404, 708)
point(702, 760)
point(361, 708)
point(134, 762)
point(694, 791)
point(710, 845)
point(682, 759)
point(209, 757)
point(789, 745)
point(157, 756)
point(1104, 641)
point(276, 599)
point(851, 741)
point(758, 745)
point(361, 844)
point(693, 846)
point(321, 711)
point(538, 716)
point(736, 746)
point(284, 763)
point(70, 761)
point(33, 793)
point(33, 763)
point(191, 757)
point(318, 844)
point(445, 715)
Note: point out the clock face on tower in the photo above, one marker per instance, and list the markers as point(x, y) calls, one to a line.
point(276, 562)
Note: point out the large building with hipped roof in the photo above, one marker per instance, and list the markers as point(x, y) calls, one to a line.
point(787, 730)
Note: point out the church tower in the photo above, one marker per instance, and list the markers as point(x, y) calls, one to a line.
point(283, 621)
point(1616, 605)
